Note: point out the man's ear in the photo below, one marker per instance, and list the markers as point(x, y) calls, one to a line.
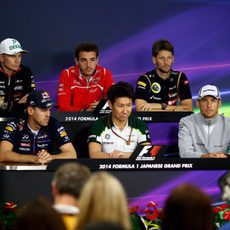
point(29, 110)
point(154, 60)
point(219, 103)
point(54, 189)
point(110, 104)
point(198, 103)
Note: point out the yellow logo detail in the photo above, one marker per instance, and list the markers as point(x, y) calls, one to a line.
point(141, 83)
point(9, 128)
point(156, 87)
point(63, 134)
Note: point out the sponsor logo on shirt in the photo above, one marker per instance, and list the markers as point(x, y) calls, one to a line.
point(25, 144)
point(18, 87)
point(63, 134)
point(155, 87)
point(9, 128)
point(25, 137)
point(107, 136)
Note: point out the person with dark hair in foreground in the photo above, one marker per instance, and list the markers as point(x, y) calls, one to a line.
point(39, 215)
point(188, 208)
point(163, 88)
point(118, 134)
point(82, 86)
point(67, 184)
point(35, 139)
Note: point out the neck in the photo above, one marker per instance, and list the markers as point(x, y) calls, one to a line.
point(66, 199)
point(119, 124)
point(162, 74)
point(33, 125)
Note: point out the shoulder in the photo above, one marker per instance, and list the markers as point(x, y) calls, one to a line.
point(15, 124)
point(70, 70)
point(101, 123)
point(25, 70)
point(136, 123)
point(53, 123)
point(189, 119)
point(177, 74)
point(102, 70)
point(149, 74)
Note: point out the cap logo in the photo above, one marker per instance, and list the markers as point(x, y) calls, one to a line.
point(45, 95)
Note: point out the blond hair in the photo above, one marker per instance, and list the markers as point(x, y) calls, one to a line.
point(103, 199)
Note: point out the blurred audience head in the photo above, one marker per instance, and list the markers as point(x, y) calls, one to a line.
point(103, 199)
point(224, 184)
point(69, 179)
point(188, 208)
point(39, 215)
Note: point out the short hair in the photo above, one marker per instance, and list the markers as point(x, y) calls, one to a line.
point(162, 45)
point(120, 89)
point(39, 214)
point(70, 178)
point(87, 47)
point(184, 202)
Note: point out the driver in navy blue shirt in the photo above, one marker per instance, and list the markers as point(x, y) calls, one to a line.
point(33, 140)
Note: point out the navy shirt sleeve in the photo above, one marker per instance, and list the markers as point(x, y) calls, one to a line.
point(143, 88)
point(10, 132)
point(59, 134)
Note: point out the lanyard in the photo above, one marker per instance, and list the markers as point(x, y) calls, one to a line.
point(126, 141)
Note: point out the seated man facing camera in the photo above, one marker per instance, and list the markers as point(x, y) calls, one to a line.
point(163, 88)
point(206, 134)
point(33, 139)
point(118, 134)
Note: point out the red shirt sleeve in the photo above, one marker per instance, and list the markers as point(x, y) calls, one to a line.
point(64, 93)
point(108, 81)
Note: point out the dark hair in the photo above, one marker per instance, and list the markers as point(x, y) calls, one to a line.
point(70, 178)
point(120, 89)
point(39, 215)
point(162, 45)
point(86, 46)
point(187, 207)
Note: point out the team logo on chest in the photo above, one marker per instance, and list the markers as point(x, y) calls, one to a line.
point(155, 87)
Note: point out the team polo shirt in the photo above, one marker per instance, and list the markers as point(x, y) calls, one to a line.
point(76, 93)
point(153, 89)
point(12, 89)
point(102, 132)
point(24, 141)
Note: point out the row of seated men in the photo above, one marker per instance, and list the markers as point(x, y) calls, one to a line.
point(115, 136)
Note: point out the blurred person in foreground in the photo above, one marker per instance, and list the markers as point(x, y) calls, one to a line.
point(224, 184)
point(16, 80)
point(118, 134)
point(34, 139)
point(188, 208)
point(103, 199)
point(38, 215)
point(206, 134)
point(82, 86)
point(66, 185)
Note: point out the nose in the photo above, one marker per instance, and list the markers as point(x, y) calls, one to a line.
point(125, 110)
point(209, 103)
point(17, 59)
point(88, 63)
point(48, 113)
